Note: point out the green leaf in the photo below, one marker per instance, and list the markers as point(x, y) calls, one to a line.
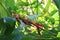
point(32, 17)
point(58, 35)
point(21, 3)
point(46, 18)
point(53, 12)
point(47, 5)
point(3, 12)
point(27, 37)
point(57, 2)
point(2, 26)
point(10, 25)
point(23, 11)
point(1, 21)
point(33, 3)
point(46, 35)
point(22, 24)
point(10, 3)
point(54, 32)
point(52, 20)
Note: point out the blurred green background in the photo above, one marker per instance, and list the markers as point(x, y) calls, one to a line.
point(45, 12)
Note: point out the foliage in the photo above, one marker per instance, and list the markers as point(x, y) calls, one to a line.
point(45, 12)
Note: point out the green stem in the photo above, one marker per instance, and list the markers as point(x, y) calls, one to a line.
point(37, 6)
point(31, 7)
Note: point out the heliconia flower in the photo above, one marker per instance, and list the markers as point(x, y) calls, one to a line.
point(26, 22)
point(16, 16)
point(39, 25)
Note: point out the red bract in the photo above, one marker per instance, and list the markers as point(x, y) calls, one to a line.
point(39, 25)
point(15, 15)
point(26, 22)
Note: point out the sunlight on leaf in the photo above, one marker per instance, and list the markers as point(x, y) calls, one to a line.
point(58, 35)
point(25, 33)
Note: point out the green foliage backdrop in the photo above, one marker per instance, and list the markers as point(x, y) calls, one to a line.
point(45, 12)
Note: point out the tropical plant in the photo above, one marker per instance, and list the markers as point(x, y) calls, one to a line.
point(29, 20)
